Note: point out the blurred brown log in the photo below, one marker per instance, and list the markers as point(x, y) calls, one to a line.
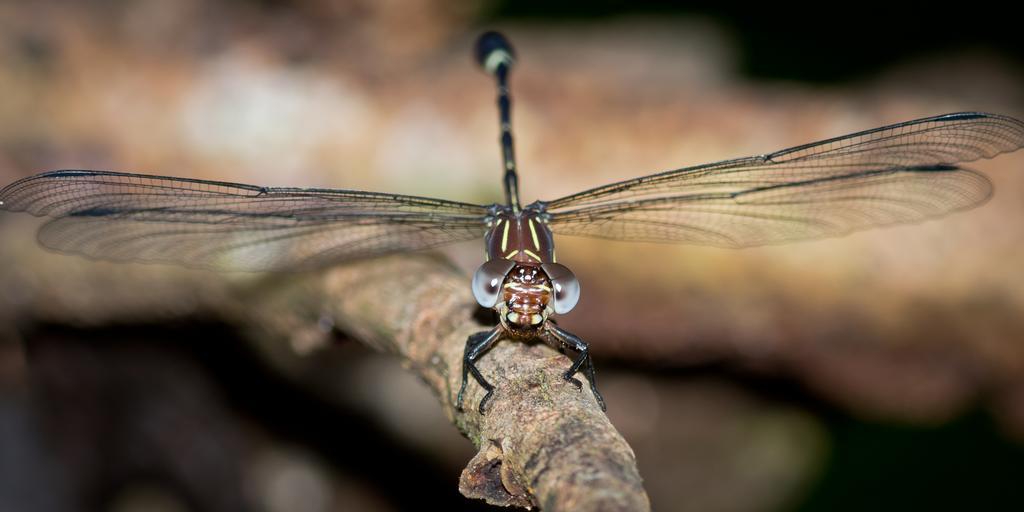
point(543, 443)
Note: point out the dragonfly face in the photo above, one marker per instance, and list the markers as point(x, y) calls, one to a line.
point(525, 298)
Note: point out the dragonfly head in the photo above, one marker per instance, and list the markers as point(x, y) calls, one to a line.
point(525, 295)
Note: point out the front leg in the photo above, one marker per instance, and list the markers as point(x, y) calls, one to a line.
point(582, 360)
point(476, 345)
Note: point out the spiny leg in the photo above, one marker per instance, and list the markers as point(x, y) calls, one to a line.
point(582, 360)
point(476, 345)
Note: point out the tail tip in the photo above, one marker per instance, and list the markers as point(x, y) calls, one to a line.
point(494, 50)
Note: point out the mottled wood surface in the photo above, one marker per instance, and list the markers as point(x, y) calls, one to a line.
point(542, 443)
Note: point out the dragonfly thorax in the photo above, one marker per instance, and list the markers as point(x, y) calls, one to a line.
point(520, 236)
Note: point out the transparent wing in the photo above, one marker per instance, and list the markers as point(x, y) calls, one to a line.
point(894, 174)
point(134, 217)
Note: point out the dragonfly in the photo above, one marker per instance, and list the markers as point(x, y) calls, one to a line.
point(901, 173)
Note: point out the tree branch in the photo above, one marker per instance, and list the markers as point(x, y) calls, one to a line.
point(542, 442)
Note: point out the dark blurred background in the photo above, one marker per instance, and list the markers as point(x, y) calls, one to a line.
point(882, 371)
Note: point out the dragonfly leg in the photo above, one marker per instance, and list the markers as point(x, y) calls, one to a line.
point(583, 360)
point(476, 345)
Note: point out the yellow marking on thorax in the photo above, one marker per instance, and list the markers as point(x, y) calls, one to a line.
point(554, 257)
point(531, 254)
point(533, 231)
point(510, 254)
point(504, 237)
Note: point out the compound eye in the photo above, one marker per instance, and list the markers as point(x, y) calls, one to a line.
point(565, 287)
point(487, 281)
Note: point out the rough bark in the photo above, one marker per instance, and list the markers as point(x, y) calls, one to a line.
point(542, 442)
